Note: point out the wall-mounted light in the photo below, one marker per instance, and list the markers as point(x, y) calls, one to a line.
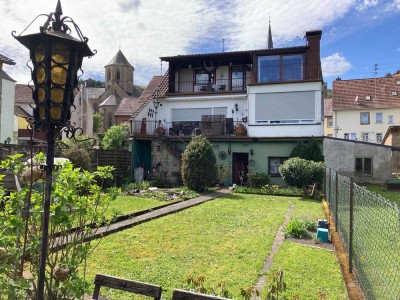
point(251, 151)
point(236, 107)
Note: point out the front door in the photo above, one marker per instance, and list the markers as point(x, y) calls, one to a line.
point(240, 161)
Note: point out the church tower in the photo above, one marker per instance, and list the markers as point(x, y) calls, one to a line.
point(119, 71)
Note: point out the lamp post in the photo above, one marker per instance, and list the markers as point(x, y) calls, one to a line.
point(156, 104)
point(56, 57)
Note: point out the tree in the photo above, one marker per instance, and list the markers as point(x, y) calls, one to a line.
point(309, 151)
point(115, 137)
point(97, 123)
point(199, 169)
point(91, 83)
point(77, 202)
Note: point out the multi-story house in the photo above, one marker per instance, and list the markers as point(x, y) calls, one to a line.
point(253, 106)
point(7, 87)
point(328, 119)
point(363, 109)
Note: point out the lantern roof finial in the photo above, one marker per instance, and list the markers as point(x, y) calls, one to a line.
point(59, 8)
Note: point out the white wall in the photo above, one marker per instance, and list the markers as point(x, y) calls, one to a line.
point(7, 117)
point(349, 122)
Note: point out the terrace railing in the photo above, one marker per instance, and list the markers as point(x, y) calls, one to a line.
point(369, 226)
point(218, 86)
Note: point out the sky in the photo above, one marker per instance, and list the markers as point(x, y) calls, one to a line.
point(360, 39)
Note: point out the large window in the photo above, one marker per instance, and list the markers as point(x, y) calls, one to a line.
point(201, 77)
point(274, 163)
point(280, 68)
point(364, 118)
point(237, 78)
point(364, 165)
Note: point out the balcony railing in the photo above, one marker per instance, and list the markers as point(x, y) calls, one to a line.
point(227, 127)
point(26, 133)
point(218, 85)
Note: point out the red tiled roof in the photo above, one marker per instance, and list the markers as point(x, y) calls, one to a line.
point(352, 94)
point(23, 93)
point(127, 106)
point(328, 107)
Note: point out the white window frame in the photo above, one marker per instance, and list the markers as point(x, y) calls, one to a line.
point(379, 118)
point(379, 137)
point(364, 136)
point(390, 119)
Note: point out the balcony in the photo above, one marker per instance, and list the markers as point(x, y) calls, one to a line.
point(26, 134)
point(224, 127)
point(217, 86)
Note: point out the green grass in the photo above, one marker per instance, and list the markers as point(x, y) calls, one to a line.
point(226, 239)
point(393, 196)
point(130, 204)
point(307, 271)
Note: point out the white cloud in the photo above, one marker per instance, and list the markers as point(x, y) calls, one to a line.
point(365, 4)
point(335, 65)
point(394, 5)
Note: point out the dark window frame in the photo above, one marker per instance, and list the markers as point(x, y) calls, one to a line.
point(282, 159)
point(281, 68)
point(203, 72)
point(363, 166)
point(361, 118)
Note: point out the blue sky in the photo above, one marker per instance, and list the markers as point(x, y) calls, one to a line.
point(357, 34)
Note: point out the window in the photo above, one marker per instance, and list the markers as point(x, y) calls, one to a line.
point(237, 78)
point(390, 119)
point(379, 118)
point(330, 122)
point(364, 136)
point(274, 163)
point(201, 77)
point(353, 136)
point(364, 165)
point(118, 75)
point(364, 118)
point(379, 137)
point(280, 68)
point(109, 75)
point(346, 136)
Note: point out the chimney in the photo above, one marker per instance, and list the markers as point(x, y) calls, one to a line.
point(314, 70)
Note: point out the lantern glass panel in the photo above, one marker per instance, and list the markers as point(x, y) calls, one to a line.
point(42, 111)
point(59, 75)
point(40, 73)
point(55, 113)
point(57, 95)
point(41, 94)
point(60, 53)
point(39, 53)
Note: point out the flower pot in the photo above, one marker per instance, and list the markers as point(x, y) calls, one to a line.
point(240, 130)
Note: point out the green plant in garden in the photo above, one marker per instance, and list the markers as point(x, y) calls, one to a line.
point(197, 284)
point(76, 202)
point(78, 156)
point(199, 169)
point(257, 180)
point(276, 286)
point(116, 137)
point(296, 228)
point(299, 172)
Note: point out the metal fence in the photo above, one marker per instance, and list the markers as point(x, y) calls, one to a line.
point(369, 226)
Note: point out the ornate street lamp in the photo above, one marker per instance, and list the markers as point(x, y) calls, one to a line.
point(56, 57)
point(156, 104)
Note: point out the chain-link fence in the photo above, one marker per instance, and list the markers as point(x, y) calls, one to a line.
point(369, 226)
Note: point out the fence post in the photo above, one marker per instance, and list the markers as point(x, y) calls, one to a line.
point(351, 226)
point(324, 190)
point(330, 187)
point(336, 201)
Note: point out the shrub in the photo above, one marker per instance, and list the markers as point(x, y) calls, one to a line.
point(199, 169)
point(299, 172)
point(309, 151)
point(257, 180)
point(296, 228)
point(78, 156)
point(116, 137)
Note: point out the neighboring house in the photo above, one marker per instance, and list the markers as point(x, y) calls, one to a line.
point(363, 161)
point(363, 109)
point(253, 106)
point(7, 90)
point(82, 114)
point(328, 120)
point(23, 112)
point(392, 138)
point(119, 85)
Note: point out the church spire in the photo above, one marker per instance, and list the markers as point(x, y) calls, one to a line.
point(270, 44)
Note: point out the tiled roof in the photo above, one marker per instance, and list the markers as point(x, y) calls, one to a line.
point(127, 107)
point(6, 60)
point(328, 107)
point(119, 59)
point(23, 94)
point(370, 93)
point(94, 93)
point(5, 76)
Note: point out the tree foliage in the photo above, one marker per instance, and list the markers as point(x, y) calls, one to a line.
point(92, 83)
point(97, 123)
point(78, 156)
point(76, 202)
point(199, 168)
point(310, 150)
point(116, 137)
point(300, 172)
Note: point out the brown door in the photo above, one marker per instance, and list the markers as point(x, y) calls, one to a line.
point(240, 161)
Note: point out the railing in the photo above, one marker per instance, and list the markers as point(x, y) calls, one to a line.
point(369, 226)
point(186, 128)
point(26, 133)
point(218, 85)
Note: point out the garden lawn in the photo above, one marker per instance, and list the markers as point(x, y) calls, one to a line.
point(309, 272)
point(393, 196)
point(129, 204)
point(226, 239)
